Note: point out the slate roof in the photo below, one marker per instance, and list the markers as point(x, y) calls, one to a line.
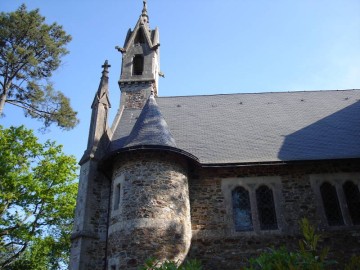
point(150, 128)
point(263, 127)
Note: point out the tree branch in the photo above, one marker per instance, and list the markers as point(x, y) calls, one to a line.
point(28, 107)
point(8, 230)
point(16, 255)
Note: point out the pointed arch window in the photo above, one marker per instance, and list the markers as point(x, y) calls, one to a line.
point(266, 208)
point(331, 204)
point(138, 64)
point(252, 204)
point(241, 209)
point(352, 196)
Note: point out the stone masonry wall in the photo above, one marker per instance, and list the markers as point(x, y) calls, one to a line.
point(135, 94)
point(88, 249)
point(153, 216)
point(215, 241)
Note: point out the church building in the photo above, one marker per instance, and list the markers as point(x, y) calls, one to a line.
point(219, 178)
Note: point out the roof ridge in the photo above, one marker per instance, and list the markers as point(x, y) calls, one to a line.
point(261, 93)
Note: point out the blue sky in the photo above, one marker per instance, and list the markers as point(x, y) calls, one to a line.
point(207, 47)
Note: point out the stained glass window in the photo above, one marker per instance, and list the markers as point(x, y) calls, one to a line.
point(352, 196)
point(266, 208)
point(331, 204)
point(241, 209)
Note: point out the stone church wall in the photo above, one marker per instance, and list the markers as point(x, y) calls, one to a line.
point(215, 241)
point(90, 226)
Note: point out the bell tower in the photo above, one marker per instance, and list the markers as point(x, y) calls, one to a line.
point(149, 209)
point(133, 198)
point(140, 64)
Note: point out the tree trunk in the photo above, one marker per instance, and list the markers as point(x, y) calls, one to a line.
point(3, 97)
point(2, 103)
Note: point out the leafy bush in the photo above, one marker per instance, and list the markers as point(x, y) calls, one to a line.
point(354, 263)
point(308, 257)
point(153, 264)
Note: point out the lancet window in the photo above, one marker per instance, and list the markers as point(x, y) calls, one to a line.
point(252, 204)
point(241, 209)
point(331, 204)
point(266, 208)
point(352, 196)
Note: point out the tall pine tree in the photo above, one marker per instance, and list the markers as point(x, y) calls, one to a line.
point(30, 50)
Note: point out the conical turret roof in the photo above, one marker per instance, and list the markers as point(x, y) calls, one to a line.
point(150, 128)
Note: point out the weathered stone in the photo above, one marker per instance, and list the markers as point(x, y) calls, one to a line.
point(154, 213)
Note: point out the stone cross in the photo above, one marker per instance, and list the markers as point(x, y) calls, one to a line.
point(106, 65)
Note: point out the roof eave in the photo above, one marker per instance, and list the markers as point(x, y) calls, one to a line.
point(164, 148)
point(274, 163)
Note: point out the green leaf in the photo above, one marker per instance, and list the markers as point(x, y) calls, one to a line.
point(37, 201)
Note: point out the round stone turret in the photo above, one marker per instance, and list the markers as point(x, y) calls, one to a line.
point(150, 210)
point(149, 206)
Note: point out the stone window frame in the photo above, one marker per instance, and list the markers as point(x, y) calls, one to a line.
point(251, 184)
point(118, 181)
point(337, 180)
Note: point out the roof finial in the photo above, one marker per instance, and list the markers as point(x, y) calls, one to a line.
point(105, 67)
point(144, 11)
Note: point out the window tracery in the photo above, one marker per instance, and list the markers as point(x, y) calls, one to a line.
point(253, 203)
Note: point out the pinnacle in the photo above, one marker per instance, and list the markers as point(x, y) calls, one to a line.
point(101, 95)
point(144, 13)
point(105, 67)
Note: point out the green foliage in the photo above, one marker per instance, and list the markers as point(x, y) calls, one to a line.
point(308, 257)
point(43, 254)
point(354, 263)
point(37, 200)
point(308, 246)
point(30, 50)
point(153, 264)
point(274, 259)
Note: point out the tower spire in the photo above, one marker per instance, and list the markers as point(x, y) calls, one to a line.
point(144, 13)
point(102, 95)
point(99, 115)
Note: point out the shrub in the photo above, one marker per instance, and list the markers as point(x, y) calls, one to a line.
point(153, 264)
point(308, 257)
